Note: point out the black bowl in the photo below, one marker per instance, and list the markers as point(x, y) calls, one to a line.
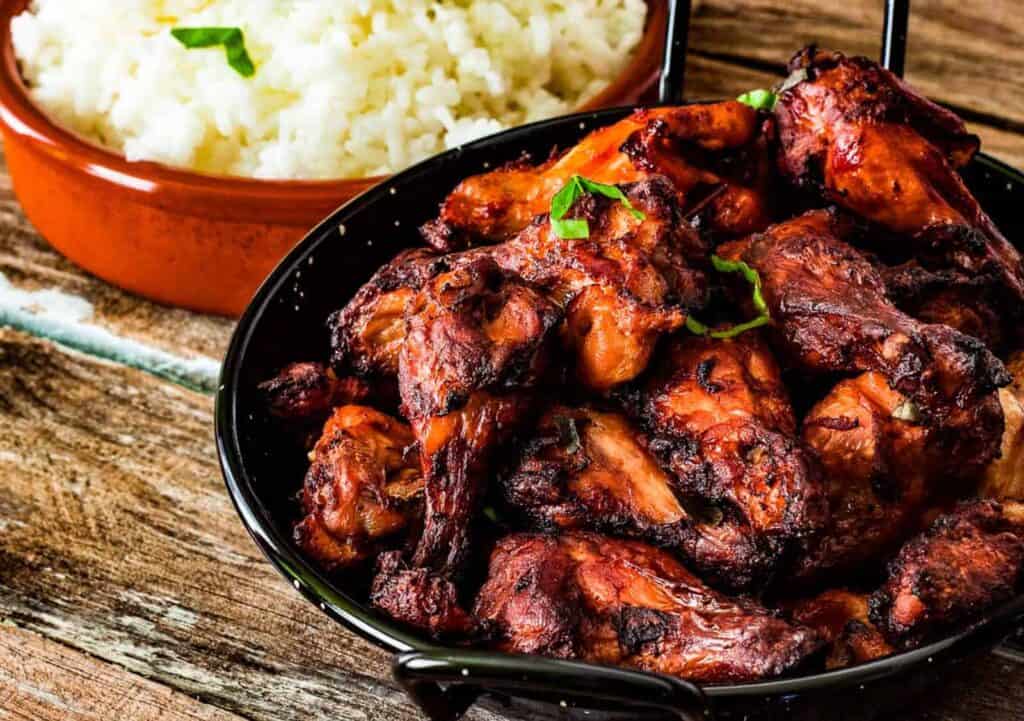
point(286, 322)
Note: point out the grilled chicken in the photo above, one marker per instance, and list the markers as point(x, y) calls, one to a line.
point(966, 563)
point(877, 461)
point(721, 422)
point(306, 392)
point(860, 137)
point(1004, 477)
point(703, 149)
point(588, 469)
point(624, 286)
point(831, 314)
point(476, 345)
point(363, 486)
point(841, 618)
point(589, 597)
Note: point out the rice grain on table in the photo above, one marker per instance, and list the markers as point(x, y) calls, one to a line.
point(343, 88)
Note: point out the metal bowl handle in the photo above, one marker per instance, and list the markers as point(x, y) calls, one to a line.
point(466, 674)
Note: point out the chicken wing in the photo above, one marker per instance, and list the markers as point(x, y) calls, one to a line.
point(700, 148)
point(877, 461)
point(307, 391)
point(364, 485)
point(968, 562)
point(831, 314)
point(591, 470)
point(585, 596)
point(476, 342)
point(721, 422)
point(1004, 477)
point(622, 287)
point(855, 133)
point(841, 618)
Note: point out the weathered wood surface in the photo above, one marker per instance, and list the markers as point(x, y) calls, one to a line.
point(41, 680)
point(119, 540)
point(120, 554)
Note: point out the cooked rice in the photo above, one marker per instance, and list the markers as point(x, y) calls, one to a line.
point(343, 88)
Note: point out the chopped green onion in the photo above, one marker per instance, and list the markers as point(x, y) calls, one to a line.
point(759, 99)
point(562, 202)
point(231, 38)
point(763, 316)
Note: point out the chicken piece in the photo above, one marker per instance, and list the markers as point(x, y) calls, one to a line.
point(477, 342)
point(367, 334)
point(877, 461)
point(948, 297)
point(306, 392)
point(831, 314)
point(721, 422)
point(585, 596)
point(591, 470)
point(965, 564)
point(841, 618)
point(701, 148)
point(622, 287)
point(363, 486)
point(421, 598)
point(1004, 477)
point(863, 139)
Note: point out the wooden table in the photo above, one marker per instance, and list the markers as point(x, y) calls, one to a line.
point(128, 588)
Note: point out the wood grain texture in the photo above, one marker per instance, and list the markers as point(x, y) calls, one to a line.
point(119, 540)
point(967, 54)
point(41, 680)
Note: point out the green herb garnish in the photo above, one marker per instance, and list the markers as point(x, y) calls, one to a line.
point(763, 316)
point(562, 201)
point(759, 99)
point(231, 38)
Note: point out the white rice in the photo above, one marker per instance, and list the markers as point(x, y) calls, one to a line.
point(343, 88)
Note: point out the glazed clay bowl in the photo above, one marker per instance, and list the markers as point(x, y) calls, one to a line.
point(200, 241)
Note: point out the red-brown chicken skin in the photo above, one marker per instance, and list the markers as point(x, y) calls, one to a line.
point(623, 287)
point(308, 391)
point(721, 422)
point(493, 206)
point(841, 617)
point(594, 598)
point(860, 136)
point(477, 343)
point(588, 469)
point(968, 561)
point(831, 313)
point(877, 462)
point(363, 486)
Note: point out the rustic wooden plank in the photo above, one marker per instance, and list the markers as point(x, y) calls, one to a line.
point(41, 680)
point(709, 78)
point(119, 540)
point(30, 264)
point(969, 55)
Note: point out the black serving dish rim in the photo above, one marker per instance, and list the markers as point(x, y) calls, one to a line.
point(359, 618)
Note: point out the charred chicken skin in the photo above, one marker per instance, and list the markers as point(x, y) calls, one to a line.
point(364, 485)
point(721, 422)
point(858, 135)
point(623, 287)
point(308, 391)
point(701, 149)
point(589, 597)
point(591, 470)
point(968, 561)
point(841, 617)
point(831, 314)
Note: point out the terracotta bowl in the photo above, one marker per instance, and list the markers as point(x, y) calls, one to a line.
point(200, 241)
